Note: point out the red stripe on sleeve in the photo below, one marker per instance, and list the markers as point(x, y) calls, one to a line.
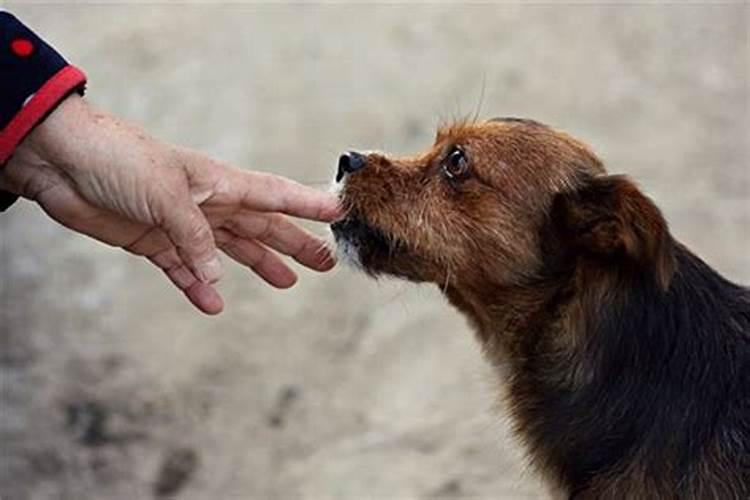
point(42, 103)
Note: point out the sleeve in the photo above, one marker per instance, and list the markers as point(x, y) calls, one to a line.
point(35, 79)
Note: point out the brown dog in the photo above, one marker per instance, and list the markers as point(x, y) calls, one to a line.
point(627, 358)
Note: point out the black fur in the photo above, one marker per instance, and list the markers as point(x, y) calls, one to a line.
point(669, 376)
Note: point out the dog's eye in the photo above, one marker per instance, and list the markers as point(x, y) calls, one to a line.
point(456, 165)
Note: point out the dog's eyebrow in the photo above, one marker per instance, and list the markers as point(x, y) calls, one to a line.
point(512, 119)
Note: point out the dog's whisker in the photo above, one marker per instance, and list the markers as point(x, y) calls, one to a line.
point(481, 99)
point(447, 280)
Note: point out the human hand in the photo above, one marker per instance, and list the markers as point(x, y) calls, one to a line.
point(110, 180)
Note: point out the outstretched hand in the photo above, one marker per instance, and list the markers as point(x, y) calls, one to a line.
point(110, 180)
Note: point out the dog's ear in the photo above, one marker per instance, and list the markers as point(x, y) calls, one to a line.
point(610, 217)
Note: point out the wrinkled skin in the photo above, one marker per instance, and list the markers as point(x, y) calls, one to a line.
point(110, 180)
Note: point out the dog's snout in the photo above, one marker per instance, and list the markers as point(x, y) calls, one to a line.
point(349, 163)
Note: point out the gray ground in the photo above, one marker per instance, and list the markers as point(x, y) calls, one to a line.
point(341, 388)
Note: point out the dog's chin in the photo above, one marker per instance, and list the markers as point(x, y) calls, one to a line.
point(361, 245)
point(373, 251)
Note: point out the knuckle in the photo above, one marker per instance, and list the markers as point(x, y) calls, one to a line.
point(195, 233)
point(268, 229)
point(307, 246)
point(199, 232)
point(260, 260)
point(222, 187)
point(278, 188)
point(167, 197)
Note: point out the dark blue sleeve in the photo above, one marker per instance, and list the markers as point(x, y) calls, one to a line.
point(34, 79)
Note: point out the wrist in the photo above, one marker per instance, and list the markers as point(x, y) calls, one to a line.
point(53, 142)
point(43, 154)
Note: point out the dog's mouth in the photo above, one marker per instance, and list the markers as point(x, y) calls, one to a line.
point(361, 243)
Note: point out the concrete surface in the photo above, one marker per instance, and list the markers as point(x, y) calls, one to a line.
point(341, 388)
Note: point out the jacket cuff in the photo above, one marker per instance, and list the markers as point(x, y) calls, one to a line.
point(43, 102)
point(35, 79)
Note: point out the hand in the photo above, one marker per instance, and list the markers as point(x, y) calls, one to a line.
point(110, 180)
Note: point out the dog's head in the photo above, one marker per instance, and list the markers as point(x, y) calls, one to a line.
point(490, 203)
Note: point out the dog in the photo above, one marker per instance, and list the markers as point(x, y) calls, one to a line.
point(626, 358)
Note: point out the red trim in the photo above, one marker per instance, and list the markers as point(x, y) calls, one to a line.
point(43, 102)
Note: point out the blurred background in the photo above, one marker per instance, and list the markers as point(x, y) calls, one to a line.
point(113, 387)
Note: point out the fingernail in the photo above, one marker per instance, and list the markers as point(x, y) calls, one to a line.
point(211, 271)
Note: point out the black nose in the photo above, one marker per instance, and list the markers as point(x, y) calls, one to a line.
point(349, 163)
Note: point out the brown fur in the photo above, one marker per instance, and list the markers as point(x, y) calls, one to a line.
point(553, 262)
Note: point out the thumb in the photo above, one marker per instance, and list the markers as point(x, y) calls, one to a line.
point(190, 233)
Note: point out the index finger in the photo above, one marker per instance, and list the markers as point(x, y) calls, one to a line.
point(272, 193)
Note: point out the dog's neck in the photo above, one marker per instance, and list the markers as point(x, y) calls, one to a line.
point(536, 336)
point(504, 317)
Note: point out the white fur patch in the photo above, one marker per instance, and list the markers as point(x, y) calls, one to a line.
point(346, 251)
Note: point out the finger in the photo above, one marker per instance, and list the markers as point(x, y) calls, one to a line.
point(272, 193)
point(152, 241)
point(201, 295)
point(205, 298)
point(189, 231)
point(260, 191)
point(68, 208)
point(280, 233)
point(261, 260)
